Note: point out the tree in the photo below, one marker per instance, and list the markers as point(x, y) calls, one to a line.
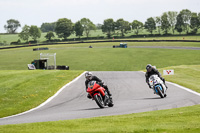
point(46, 27)
point(12, 25)
point(108, 27)
point(34, 32)
point(78, 29)
point(24, 34)
point(49, 35)
point(199, 18)
point(194, 23)
point(158, 23)
point(137, 25)
point(165, 25)
point(64, 28)
point(186, 15)
point(87, 25)
point(123, 26)
point(179, 23)
point(150, 25)
point(172, 19)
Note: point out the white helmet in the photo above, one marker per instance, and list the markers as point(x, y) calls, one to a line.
point(88, 75)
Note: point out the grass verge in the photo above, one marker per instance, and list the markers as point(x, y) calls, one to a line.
point(24, 89)
point(180, 120)
point(103, 57)
point(187, 76)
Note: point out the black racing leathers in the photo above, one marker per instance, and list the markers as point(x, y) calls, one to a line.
point(152, 72)
point(99, 81)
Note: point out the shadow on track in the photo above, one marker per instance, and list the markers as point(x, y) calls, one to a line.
point(92, 109)
point(152, 98)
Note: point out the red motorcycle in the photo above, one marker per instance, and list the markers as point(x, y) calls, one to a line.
point(99, 94)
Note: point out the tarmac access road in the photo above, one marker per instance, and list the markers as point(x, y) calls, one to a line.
point(130, 95)
point(167, 47)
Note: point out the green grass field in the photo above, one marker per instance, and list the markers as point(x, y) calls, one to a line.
point(103, 57)
point(8, 38)
point(13, 66)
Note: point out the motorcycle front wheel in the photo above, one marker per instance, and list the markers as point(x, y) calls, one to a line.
point(99, 100)
point(160, 92)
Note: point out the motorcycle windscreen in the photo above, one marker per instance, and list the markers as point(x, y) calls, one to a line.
point(152, 77)
point(91, 84)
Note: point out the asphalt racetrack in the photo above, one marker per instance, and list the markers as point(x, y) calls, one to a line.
point(130, 95)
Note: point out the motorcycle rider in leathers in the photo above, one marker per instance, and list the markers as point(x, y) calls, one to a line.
point(90, 77)
point(151, 71)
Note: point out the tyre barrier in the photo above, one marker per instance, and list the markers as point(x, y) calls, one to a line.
point(62, 67)
point(36, 49)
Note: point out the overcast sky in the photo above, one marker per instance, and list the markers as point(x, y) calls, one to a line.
point(36, 12)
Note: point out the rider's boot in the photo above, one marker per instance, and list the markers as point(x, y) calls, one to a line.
point(107, 90)
point(166, 86)
point(109, 94)
point(164, 82)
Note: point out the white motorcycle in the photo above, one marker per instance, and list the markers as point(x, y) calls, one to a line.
point(157, 85)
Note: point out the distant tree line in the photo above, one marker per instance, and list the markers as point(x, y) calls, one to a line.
point(30, 31)
point(184, 21)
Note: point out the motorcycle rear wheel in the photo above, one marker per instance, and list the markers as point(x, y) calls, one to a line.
point(99, 100)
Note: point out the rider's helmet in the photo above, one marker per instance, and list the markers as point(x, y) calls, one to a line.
point(88, 75)
point(149, 68)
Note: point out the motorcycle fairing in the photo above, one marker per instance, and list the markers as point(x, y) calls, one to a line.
point(93, 87)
